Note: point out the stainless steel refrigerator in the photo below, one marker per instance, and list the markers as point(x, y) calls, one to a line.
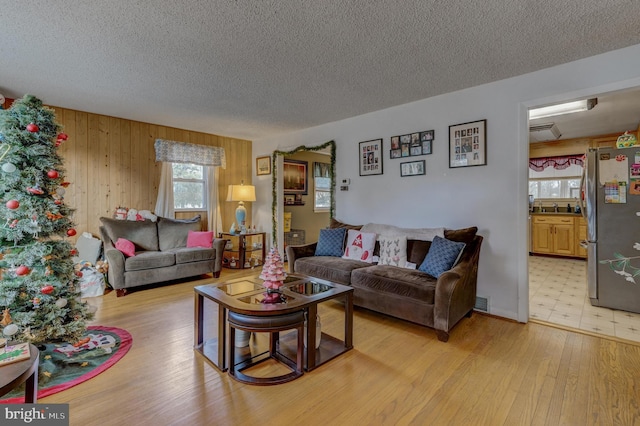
point(611, 207)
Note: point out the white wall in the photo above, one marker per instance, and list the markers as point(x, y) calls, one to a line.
point(493, 197)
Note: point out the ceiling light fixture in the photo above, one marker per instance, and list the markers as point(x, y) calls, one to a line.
point(565, 108)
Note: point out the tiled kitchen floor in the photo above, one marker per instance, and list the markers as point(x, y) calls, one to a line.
point(558, 295)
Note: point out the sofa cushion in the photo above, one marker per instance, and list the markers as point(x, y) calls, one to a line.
point(393, 251)
point(173, 233)
point(329, 268)
point(442, 255)
point(387, 279)
point(337, 224)
point(143, 234)
point(360, 246)
point(464, 235)
point(202, 239)
point(417, 250)
point(126, 247)
point(149, 260)
point(193, 254)
point(330, 242)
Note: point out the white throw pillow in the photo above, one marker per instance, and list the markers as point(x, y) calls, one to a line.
point(360, 246)
point(393, 250)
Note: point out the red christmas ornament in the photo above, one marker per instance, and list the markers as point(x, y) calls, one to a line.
point(63, 137)
point(71, 232)
point(22, 270)
point(57, 201)
point(73, 252)
point(14, 223)
point(47, 289)
point(35, 190)
point(12, 204)
point(32, 127)
point(79, 274)
point(58, 142)
point(53, 174)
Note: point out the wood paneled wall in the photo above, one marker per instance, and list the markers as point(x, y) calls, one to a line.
point(110, 162)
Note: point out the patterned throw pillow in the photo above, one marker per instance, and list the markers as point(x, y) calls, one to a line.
point(442, 256)
point(330, 242)
point(393, 250)
point(360, 246)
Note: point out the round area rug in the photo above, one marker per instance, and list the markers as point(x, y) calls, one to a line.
point(63, 365)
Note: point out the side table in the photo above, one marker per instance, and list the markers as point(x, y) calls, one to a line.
point(246, 250)
point(13, 375)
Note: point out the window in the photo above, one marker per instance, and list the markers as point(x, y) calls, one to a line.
point(189, 187)
point(322, 194)
point(554, 188)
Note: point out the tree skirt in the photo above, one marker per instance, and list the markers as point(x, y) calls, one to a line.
point(63, 365)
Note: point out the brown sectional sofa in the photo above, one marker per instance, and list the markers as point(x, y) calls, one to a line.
point(160, 252)
point(408, 294)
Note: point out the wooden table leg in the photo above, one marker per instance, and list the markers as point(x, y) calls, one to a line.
point(348, 321)
point(223, 364)
point(312, 312)
point(198, 320)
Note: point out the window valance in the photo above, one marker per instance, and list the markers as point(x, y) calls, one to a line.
point(558, 163)
point(183, 152)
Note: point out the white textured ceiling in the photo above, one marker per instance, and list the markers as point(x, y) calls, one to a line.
point(250, 68)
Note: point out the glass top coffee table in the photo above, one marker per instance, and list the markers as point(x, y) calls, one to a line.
point(247, 296)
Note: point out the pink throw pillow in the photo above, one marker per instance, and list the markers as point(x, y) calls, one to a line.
point(200, 239)
point(126, 247)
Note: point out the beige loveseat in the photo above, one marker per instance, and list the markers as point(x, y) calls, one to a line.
point(409, 294)
point(161, 252)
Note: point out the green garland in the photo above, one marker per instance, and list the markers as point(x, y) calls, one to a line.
point(274, 181)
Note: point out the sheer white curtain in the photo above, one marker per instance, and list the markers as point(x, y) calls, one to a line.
point(213, 209)
point(164, 203)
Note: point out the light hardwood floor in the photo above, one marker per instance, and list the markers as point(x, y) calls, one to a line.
point(491, 372)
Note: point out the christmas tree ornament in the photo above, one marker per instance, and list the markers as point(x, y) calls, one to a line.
point(6, 318)
point(14, 223)
point(33, 128)
point(60, 191)
point(4, 148)
point(36, 302)
point(8, 168)
point(63, 136)
point(71, 232)
point(58, 201)
point(35, 190)
point(47, 289)
point(61, 303)
point(10, 330)
point(79, 274)
point(53, 174)
point(12, 204)
point(22, 270)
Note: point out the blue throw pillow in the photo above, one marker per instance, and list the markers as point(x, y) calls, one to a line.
point(442, 255)
point(331, 242)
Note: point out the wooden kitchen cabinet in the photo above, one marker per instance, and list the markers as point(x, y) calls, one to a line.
point(554, 235)
point(581, 235)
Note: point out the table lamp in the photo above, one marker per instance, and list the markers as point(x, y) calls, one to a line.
point(241, 193)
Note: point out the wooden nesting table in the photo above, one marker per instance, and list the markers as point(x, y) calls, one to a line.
point(246, 296)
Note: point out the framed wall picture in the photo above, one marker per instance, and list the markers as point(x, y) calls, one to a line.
point(295, 177)
point(411, 144)
point(370, 157)
point(263, 166)
point(468, 144)
point(412, 168)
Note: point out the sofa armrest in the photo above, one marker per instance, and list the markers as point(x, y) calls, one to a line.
point(296, 252)
point(115, 259)
point(218, 245)
point(456, 291)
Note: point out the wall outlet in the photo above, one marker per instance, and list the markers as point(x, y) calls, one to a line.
point(344, 187)
point(346, 181)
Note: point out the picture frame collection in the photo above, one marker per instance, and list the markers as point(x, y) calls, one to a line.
point(467, 148)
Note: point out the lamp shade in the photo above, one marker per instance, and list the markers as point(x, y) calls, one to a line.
point(241, 193)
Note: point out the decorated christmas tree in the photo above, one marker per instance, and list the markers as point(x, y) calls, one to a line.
point(273, 270)
point(39, 289)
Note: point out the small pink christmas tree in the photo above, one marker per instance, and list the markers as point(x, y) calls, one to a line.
point(273, 270)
